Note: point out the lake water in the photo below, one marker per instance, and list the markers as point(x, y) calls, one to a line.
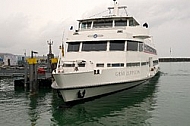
point(163, 101)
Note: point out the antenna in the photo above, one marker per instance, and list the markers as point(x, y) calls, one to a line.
point(50, 43)
point(116, 8)
point(63, 36)
point(62, 45)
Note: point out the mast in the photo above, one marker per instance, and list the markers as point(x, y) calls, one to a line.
point(50, 55)
point(116, 8)
point(50, 43)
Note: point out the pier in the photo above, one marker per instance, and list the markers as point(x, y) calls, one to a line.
point(33, 74)
point(174, 59)
point(12, 72)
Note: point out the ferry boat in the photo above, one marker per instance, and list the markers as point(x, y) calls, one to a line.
point(105, 55)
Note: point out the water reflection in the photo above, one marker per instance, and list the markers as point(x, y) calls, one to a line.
point(131, 106)
point(162, 101)
point(36, 106)
point(33, 114)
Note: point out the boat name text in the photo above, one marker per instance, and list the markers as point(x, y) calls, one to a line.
point(127, 73)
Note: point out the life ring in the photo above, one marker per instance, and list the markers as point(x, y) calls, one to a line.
point(81, 94)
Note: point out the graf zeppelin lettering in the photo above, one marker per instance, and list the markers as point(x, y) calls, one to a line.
point(127, 73)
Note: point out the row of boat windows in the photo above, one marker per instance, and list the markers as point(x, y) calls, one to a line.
point(73, 65)
point(107, 23)
point(109, 64)
point(116, 45)
point(135, 64)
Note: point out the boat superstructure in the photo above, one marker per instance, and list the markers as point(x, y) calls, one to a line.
point(105, 55)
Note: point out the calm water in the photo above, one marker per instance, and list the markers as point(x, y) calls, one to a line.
point(164, 101)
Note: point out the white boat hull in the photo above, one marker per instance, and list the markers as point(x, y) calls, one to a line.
point(78, 86)
point(74, 94)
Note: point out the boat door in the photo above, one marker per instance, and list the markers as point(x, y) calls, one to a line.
point(151, 66)
point(150, 62)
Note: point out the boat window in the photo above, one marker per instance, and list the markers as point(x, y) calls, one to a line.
point(144, 63)
point(149, 49)
point(99, 65)
point(94, 46)
point(73, 47)
point(121, 22)
point(68, 65)
point(132, 46)
point(117, 45)
point(140, 47)
point(146, 48)
point(81, 64)
point(86, 25)
point(131, 23)
point(83, 25)
point(102, 23)
point(133, 64)
point(115, 65)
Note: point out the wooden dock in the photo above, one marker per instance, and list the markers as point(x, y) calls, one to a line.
point(43, 79)
point(10, 72)
point(33, 73)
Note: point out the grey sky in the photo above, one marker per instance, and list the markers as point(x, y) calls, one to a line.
point(29, 24)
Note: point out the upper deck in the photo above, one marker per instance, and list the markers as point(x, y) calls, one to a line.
point(110, 27)
point(114, 19)
point(107, 22)
point(110, 39)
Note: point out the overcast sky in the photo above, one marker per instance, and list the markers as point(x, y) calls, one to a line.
point(29, 24)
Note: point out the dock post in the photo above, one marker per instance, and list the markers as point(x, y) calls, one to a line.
point(50, 56)
point(33, 73)
point(25, 74)
point(35, 85)
point(31, 78)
